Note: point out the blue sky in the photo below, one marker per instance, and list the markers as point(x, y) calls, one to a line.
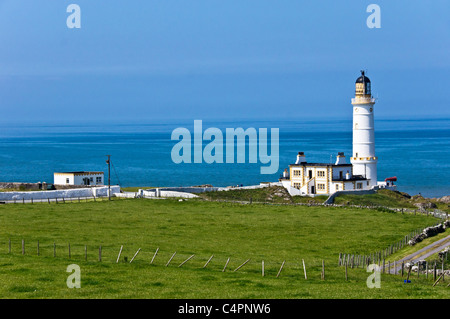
point(146, 60)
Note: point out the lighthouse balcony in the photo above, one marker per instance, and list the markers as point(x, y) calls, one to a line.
point(364, 159)
point(349, 179)
point(363, 100)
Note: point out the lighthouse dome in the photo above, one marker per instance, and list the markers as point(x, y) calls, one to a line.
point(362, 78)
point(362, 86)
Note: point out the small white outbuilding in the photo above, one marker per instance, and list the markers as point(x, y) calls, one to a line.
point(78, 178)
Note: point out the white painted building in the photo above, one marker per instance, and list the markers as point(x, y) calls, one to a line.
point(303, 178)
point(79, 178)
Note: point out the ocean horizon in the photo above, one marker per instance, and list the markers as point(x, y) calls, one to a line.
point(416, 151)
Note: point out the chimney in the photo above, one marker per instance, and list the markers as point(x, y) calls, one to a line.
point(300, 158)
point(286, 173)
point(347, 176)
point(340, 159)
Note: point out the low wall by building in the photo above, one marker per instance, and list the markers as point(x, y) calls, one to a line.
point(196, 190)
point(165, 193)
point(66, 193)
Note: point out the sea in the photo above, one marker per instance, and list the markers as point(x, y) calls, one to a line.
point(416, 151)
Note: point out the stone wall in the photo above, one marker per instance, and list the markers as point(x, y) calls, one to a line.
point(67, 193)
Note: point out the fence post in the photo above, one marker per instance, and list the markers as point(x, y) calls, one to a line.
point(100, 253)
point(120, 252)
point(208, 261)
point(304, 269)
point(186, 261)
point(54, 249)
point(135, 255)
point(69, 251)
point(226, 264)
point(242, 265)
point(434, 271)
point(346, 274)
point(9, 245)
point(38, 247)
point(170, 259)
point(23, 247)
point(154, 255)
point(281, 268)
point(85, 252)
point(323, 269)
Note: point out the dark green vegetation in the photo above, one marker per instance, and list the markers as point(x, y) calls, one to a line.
point(272, 233)
point(388, 198)
point(279, 195)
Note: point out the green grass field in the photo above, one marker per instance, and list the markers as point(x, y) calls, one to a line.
point(237, 231)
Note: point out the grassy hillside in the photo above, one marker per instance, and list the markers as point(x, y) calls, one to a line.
point(239, 232)
point(388, 198)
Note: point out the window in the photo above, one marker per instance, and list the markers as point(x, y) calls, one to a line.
point(297, 172)
point(321, 187)
point(358, 185)
point(98, 179)
point(297, 185)
point(91, 179)
point(337, 187)
point(320, 173)
point(67, 181)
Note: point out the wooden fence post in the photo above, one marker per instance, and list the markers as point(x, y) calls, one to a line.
point(9, 245)
point(242, 265)
point(170, 259)
point(434, 271)
point(346, 275)
point(281, 268)
point(226, 264)
point(208, 261)
point(120, 252)
point(69, 251)
point(304, 269)
point(154, 255)
point(262, 268)
point(100, 253)
point(23, 247)
point(323, 269)
point(135, 255)
point(85, 252)
point(54, 249)
point(38, 247)
point(186, 261)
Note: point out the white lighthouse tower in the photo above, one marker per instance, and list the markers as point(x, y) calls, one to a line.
point(364, 160)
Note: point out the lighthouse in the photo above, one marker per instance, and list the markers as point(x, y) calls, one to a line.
point(363, 158)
